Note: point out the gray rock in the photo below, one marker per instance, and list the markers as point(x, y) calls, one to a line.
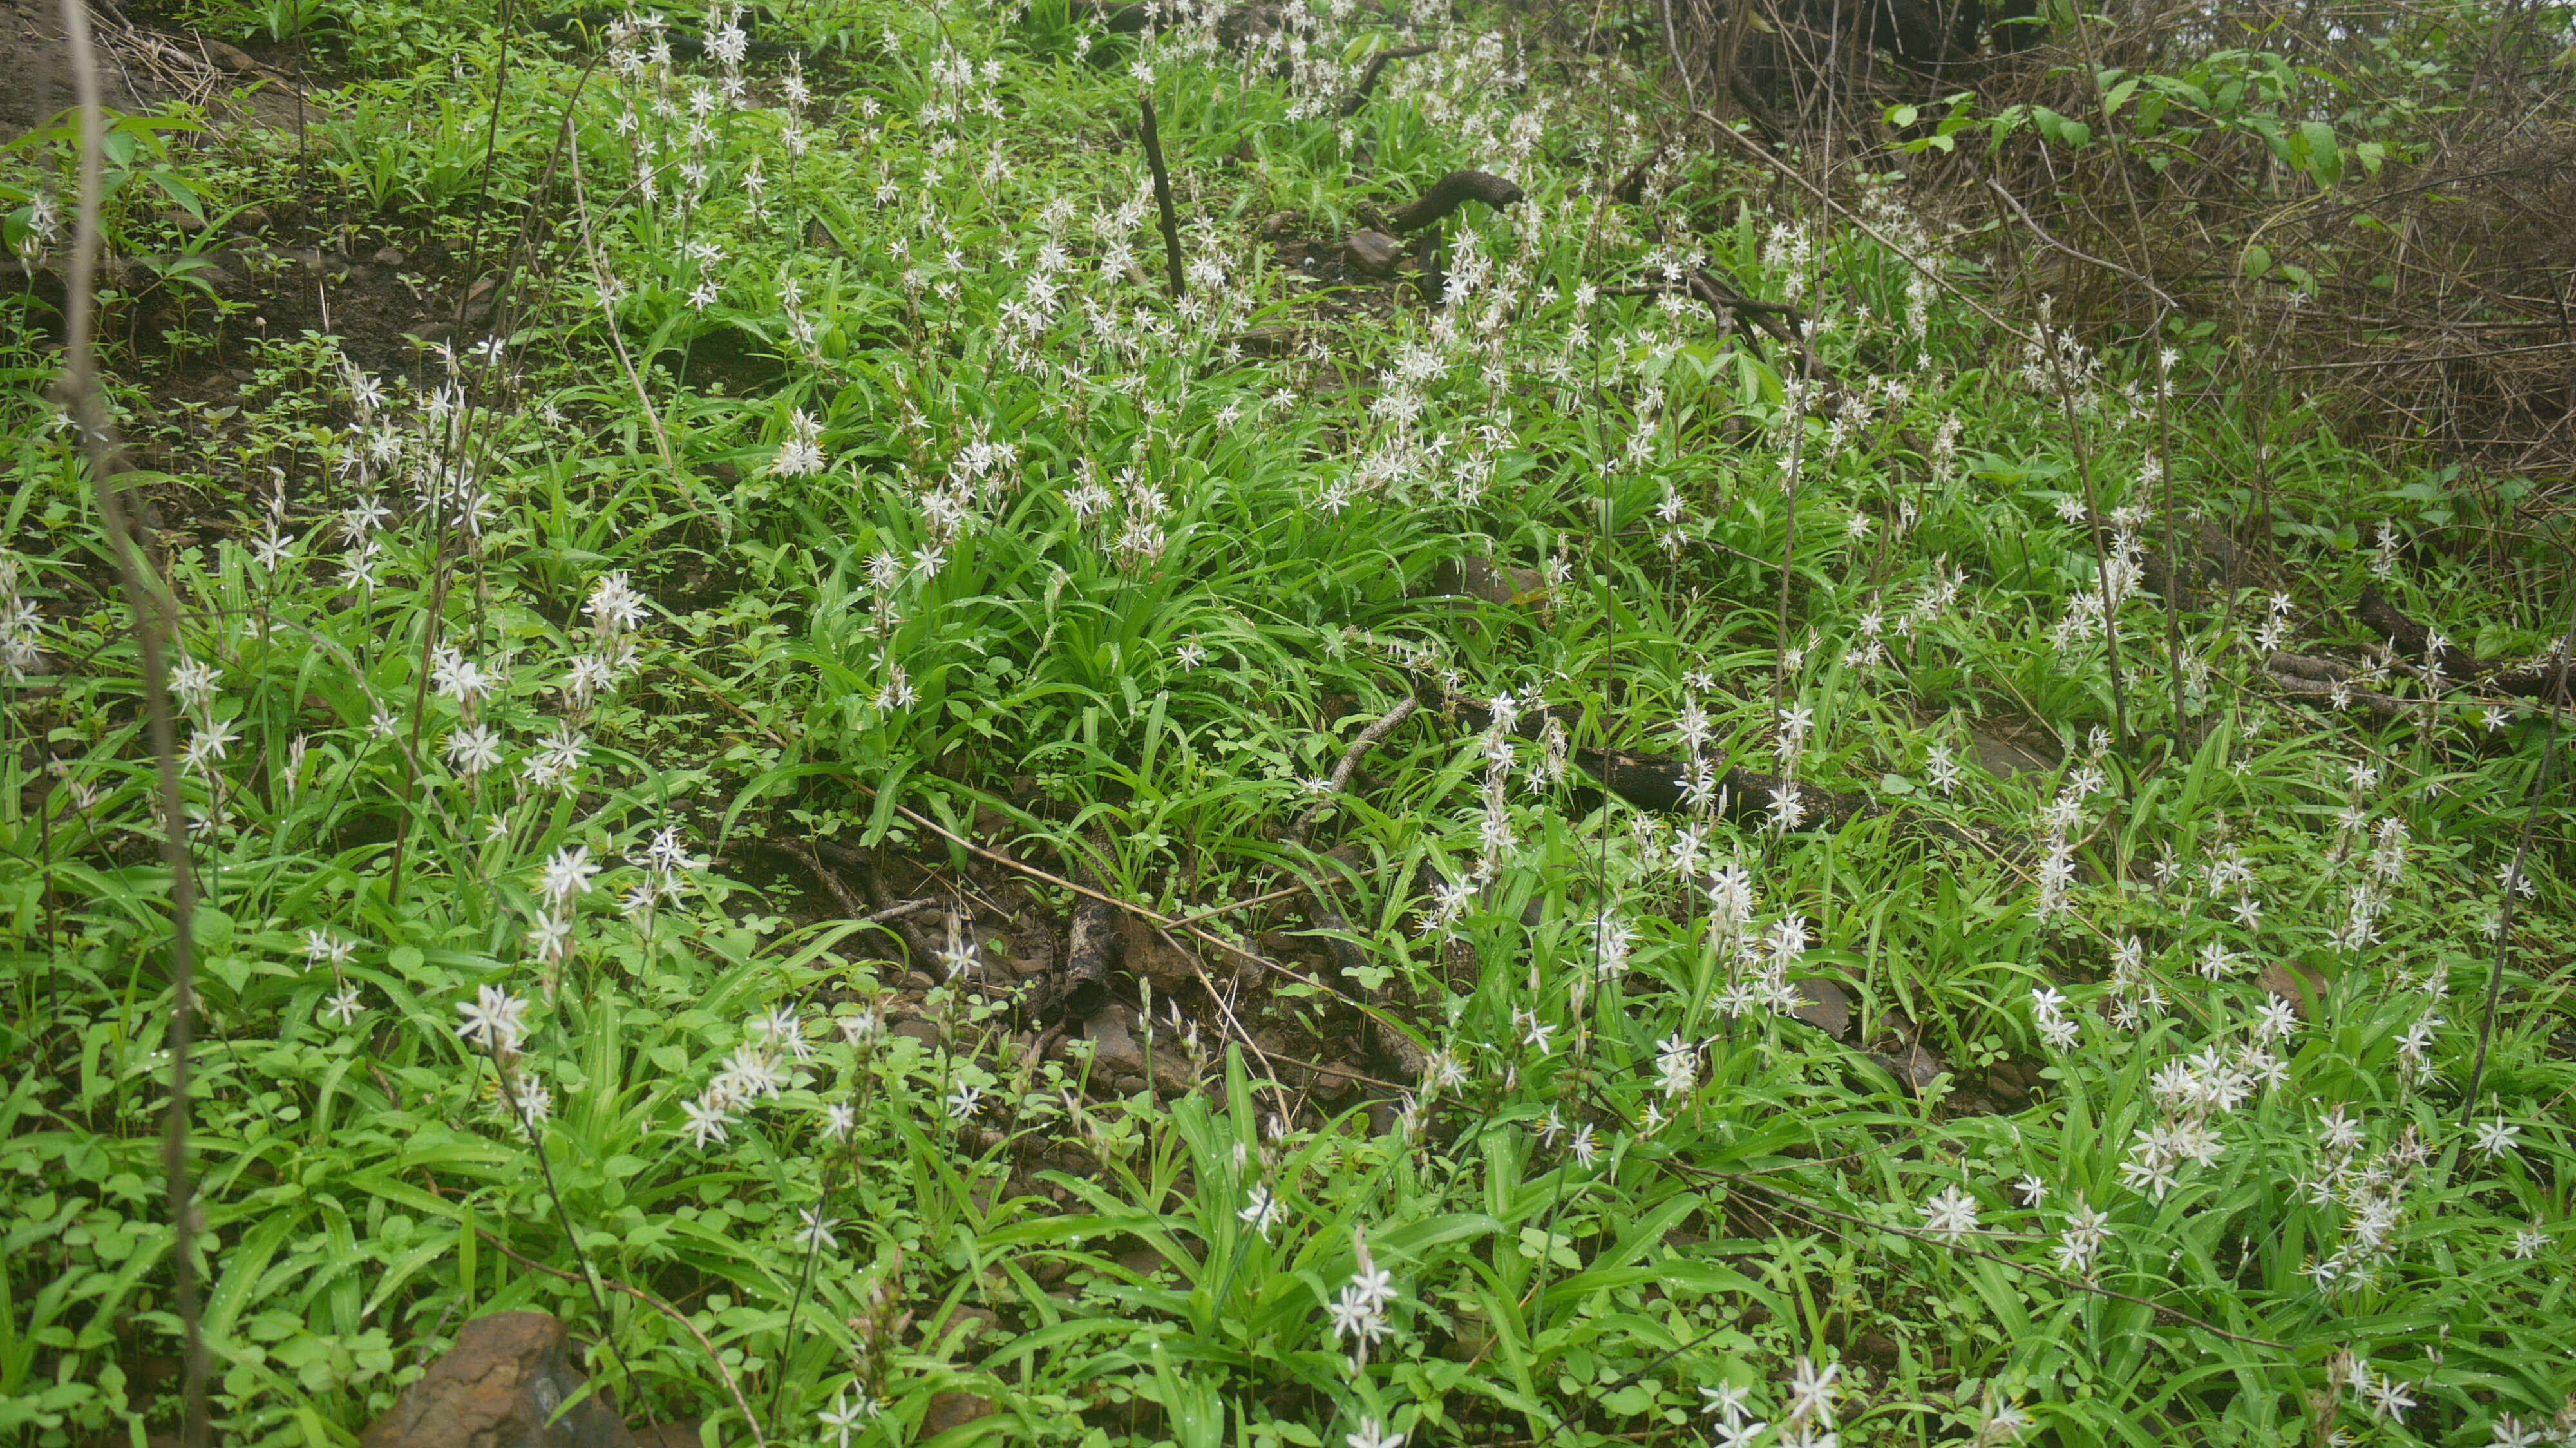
point(952, 1410)
point(1827, 1008)
point(1915, 1067)
point(1373, 252)
point(1114, 1051)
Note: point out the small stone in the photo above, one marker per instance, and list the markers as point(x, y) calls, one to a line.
point(1268, 341)
point(926, 1032)
point(388, 256)
point(1827, 1008)
point(1151, 955)
point(1130, 1085)
point(1032, 954)
point(2296, 984)
point(1373, 252)
point(1499, 584)
point(1914, 1067)
point(503, 1381)
point(952, 1410)
point(2003, 756)
point(1113, 1045)
point(966, 1324)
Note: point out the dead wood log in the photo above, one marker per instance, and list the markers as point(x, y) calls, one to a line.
point(1093, 939)
point(2386, 619)
point(2533, 677)
point(1451, 192)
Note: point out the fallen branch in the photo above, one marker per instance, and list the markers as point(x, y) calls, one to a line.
point(1153, 137)
point(1661, 783)
point(2291, 674)
point(1451, 192)
point(2526, 678)
point(1730, 306)
point(1141, 912)
point(1632, 187)
point(881, 908)
point(1341, 777)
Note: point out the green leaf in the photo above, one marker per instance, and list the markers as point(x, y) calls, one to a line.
point(2325, 157)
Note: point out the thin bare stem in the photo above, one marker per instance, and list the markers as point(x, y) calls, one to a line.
point(155, 623)
point(2093, 530)
point(1789, 537)
point(2513, 872)
point(1153, 136)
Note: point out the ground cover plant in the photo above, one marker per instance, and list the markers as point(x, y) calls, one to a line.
point(1457, 757)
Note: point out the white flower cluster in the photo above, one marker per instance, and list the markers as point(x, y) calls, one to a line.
point(1359, 1309)
point(21, 628)
point(2057, 824)
point(756, 1071)
point(2194, 1092)
point(1496, 839)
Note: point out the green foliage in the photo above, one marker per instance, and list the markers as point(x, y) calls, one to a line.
point(827, 482)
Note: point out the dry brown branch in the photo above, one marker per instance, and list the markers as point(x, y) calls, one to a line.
point(2042, 233)
point(1341, 777)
